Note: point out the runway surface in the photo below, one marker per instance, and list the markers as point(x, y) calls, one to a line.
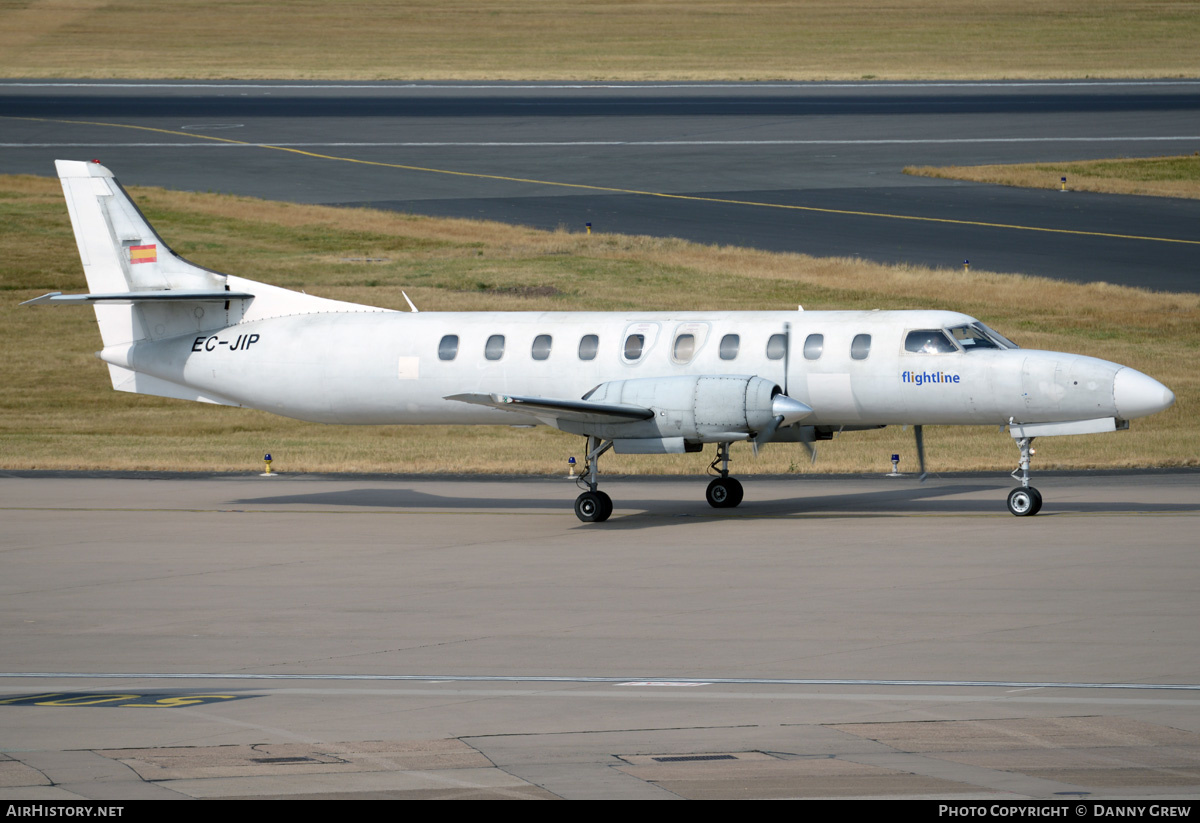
point(814, 168)
point(235, 636)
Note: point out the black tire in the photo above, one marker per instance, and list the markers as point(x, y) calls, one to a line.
point(1024, 502)
point(606, 507)
point(724, 492)
point(593, 507)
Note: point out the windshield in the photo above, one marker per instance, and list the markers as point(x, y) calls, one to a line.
point(928, 341)
point(978, 336)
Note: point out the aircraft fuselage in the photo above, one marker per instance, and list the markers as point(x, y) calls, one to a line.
point(392, 367)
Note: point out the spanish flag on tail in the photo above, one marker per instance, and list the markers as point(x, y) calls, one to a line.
point(143, 254)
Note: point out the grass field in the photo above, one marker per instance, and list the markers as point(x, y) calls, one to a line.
point(613, 40)
point(1157, 176)
point(58, 410)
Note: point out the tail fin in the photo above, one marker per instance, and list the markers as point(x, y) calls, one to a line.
point(140, 288)
point(121, 253)
point(143, 291)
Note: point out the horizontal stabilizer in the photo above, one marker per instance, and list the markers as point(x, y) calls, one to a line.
point(159, 295)
point(580, 411)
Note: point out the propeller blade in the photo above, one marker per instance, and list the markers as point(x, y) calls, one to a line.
point(812, 452)
point(787, 353)
point(766, 434)
point(919, 432)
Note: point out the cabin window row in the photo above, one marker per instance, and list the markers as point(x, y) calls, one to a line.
point(683, 350)
point(493, 349)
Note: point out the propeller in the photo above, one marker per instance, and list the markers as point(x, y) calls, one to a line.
point(787, 354)
point(784, 410)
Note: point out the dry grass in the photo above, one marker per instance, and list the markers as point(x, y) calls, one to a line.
point(615, 40)
point(1158, 176)
point(58, 410)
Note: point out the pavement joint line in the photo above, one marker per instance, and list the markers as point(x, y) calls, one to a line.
point(616, 189)
point(464, 678)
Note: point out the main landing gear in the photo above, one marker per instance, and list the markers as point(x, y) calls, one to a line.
point(1025, 500)
point(594, 506)
point(724, 492)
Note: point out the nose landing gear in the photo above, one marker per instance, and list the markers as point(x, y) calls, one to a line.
point(1024, 501)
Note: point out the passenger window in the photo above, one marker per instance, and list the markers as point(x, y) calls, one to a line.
point(860, 347)
point(814, 346)
point(587, 346)
point(930, 341)
point(541, 346)
point(494, 349)
point(776, 347)
point(448, 348)
point(729, 346)
point(633, 346)
point(685, 348)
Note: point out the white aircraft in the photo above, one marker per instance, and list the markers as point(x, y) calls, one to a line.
point(639, 382)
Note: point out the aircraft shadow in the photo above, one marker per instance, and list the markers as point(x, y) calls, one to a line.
point(642, 511)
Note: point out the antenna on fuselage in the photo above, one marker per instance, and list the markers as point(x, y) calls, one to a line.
point(409, 302)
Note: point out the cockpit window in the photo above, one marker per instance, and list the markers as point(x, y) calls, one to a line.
point(929, 341)
point(978, 336)
point(1004, 342)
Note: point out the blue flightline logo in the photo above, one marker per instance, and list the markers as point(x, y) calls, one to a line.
point(920, 378)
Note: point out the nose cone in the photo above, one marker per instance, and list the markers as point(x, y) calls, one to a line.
point(1137, 395)
point(790, 409)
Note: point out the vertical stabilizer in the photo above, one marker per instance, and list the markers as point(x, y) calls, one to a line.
point(120, 250)
point(168, 295)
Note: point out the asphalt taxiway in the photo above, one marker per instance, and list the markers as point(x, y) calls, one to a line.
point(235, 636)
point(807, 167)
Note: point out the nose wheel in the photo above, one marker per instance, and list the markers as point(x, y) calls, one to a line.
point(1025, 500)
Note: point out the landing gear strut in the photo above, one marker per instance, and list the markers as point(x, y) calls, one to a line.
point(723, 492)
point(1024, 501)
point(593, 506)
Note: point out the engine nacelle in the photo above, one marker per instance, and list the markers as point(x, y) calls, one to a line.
point(688, 410)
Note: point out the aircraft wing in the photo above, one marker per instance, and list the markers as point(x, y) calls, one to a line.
point(581, 411)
